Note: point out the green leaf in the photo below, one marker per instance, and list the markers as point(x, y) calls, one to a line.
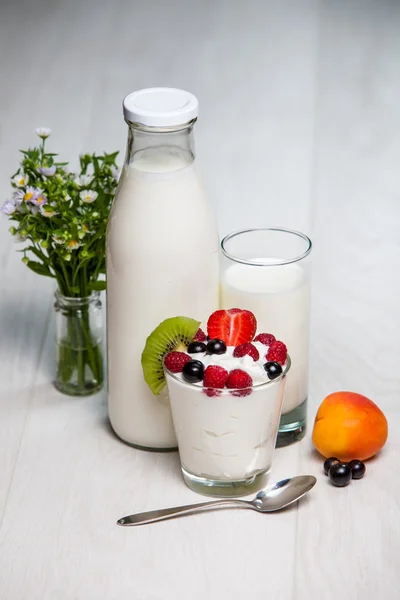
point(98, 286)
point(39, 268)
point(36, 252)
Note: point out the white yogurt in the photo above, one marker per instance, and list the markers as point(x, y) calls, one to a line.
point(227, 437)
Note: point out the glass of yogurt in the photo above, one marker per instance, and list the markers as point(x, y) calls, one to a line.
point(267, 271)
point(226, 437)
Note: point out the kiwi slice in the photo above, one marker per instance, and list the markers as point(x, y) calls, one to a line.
point(173, 334)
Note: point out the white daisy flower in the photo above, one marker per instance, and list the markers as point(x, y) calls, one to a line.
point(58, 239)
point(40, 199)
point(84, 230)
point(30, 194)
point(43, 132)
point(8, 208)
point(47, 211)
point(84, 180)
point(73, 244)
point(48, 171)
point(88, 196)
point(20, 180)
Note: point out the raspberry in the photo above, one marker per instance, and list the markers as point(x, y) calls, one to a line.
point(200, 336)
point(277, 352)
point(175, 361)
point(215, 377)
point(239, 380)
point(211, 392)
point(265, 338)
point(245, 349)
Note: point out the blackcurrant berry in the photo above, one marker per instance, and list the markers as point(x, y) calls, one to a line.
point(339, 473)
point(273, 369)
point(357, 468)
point(193, 371)
point(216, 347)
point(195, 347)
point(329, 462)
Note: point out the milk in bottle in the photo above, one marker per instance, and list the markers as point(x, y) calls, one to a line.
point(162, 255)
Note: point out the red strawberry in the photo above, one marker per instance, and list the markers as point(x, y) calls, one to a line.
point(265, 338)
point(200, 336)
point(239, 380)
point(234, 326)
point(277, 352)
point(175, 361)
point(215, 377)
point(246, 348)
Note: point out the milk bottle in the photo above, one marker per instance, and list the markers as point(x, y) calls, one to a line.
point(162, 255)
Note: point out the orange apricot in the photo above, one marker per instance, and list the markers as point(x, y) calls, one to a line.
point(349, 426)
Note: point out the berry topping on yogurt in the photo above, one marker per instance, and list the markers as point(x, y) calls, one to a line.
point(277, 352)
point(265, 338)
point(241, 381)
point(175, 361)
point(223, 363)
point(246, 349)
point(234, 326)
point(215, 377)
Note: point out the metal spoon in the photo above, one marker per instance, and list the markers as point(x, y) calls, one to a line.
point(279, 496)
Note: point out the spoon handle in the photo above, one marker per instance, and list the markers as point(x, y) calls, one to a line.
point(167, 513)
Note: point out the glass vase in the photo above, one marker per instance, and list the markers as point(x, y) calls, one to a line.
point(79, 338)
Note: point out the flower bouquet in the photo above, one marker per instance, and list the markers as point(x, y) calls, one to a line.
point(61, 217)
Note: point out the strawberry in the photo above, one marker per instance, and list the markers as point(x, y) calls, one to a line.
point(265, 338)
point(200, 336)
point(277, 352)
point(239, 380)
point(246, 348)
point(215, 377)
point(175, 361)
point(234, 326)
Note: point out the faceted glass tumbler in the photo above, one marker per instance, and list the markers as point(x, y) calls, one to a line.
point(226, 438)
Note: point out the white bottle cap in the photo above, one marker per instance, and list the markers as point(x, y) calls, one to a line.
point(160, 107)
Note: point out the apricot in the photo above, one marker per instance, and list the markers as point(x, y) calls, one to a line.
point(349, 426)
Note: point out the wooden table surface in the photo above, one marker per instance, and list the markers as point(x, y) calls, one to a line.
point(299, 126)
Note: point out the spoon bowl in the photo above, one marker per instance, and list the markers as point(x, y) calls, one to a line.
point(281, 494)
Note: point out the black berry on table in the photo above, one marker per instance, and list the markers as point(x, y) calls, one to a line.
point(329, 462)
point(357, 468)
point(339, 474)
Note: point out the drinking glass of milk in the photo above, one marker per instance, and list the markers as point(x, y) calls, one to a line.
point(267, 271)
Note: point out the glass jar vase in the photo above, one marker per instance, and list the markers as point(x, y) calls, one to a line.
point(79, 337)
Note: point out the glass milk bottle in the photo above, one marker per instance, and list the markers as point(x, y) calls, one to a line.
point(162, 255)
